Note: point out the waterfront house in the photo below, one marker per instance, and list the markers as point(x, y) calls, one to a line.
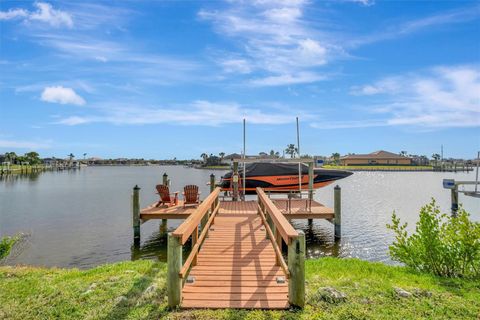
point(380, 157)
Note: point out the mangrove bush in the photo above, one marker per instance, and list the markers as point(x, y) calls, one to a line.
point(441, 244)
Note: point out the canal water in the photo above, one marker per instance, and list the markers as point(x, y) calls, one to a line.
point(83, 218)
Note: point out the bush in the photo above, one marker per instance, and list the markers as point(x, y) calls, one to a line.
point(443, 245)
point(6, 244)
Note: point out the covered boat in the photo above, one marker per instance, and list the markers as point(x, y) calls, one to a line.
point(281, 177)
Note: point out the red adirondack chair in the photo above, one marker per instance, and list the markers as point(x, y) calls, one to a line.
point(165, 196)
point(191, 195)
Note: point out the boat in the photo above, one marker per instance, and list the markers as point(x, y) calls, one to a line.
point(281, 177)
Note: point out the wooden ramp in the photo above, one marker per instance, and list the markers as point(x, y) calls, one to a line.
point(236, 264)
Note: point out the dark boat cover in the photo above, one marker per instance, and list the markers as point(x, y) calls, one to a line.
point(271, 169)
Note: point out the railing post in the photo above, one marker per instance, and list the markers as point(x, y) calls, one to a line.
point(235, 181)
point(296, 266)
point(278, 238)
point(337, 208)
point(174, 265)
point(136, 215)
point(212, 188)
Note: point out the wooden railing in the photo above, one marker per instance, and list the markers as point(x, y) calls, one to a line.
point(177, 272)
point(278, 230)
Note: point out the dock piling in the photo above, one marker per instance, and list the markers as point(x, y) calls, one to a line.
point(165, 179)
point(296, 266)
point(454, 200)
point(163, 225)
point(174, 265)
point(338, 211)
point(136, 215)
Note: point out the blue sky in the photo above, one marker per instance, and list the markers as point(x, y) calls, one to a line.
point(171, 79)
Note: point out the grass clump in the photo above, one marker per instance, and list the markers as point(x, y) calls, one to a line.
point(444, 245)
point(6, 245)
point(136, 290)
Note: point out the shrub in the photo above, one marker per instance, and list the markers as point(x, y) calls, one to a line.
point(441, 244)
point(6, 244)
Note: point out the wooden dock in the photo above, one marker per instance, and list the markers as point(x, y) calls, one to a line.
point(236, 260)
point(236, 266)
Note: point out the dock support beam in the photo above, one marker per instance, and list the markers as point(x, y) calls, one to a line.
point(174, 265)
point(337, 199)
point(454, 200)
point(296, 266)
point(136, 215)
point(235, 181)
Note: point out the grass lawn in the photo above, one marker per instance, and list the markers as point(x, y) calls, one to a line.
point(136, 290)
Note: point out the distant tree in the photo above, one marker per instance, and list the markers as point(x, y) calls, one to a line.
point(84, 156)
point(32, 157)
point(277, 154)
point(11, 157)
point(272, 153)
point(213, 161)
point(435, 157)
point(221, 154)
point(204, 156)
point(336, 157)
point(263, 154)
point(403, 153)
point(291, 150)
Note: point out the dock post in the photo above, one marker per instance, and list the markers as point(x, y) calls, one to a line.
point(296, 266)
point(136, 215)
point(174, 264)
point(310, 181)
point(212, 188)
point(338, 211)
point(235, 181)
point(163, 225)
point(454, 200)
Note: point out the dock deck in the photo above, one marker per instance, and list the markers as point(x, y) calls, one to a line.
point(236, 265)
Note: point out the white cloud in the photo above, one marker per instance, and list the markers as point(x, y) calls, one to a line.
point(62, 95)
point(439, 97)
point(13, 14)
point(18, 144)
point(287, 79)
point(204, 113)
point(366, 3)
point(45, 13)
point(273, 39)
point(236, 66)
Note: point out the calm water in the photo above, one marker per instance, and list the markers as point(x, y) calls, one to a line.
point(83, 219)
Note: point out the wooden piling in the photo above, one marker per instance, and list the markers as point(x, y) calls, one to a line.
point(136, 214)
point(338, 211)
point(174, 265)
point(454, 201)
point(296, 267)
point(310, 181)
point(165, 179)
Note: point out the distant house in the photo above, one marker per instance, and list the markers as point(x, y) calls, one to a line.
point(375, 158)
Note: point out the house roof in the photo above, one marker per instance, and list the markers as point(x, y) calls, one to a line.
point(380, 154)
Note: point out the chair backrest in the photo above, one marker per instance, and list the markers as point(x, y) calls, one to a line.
point(191, 193)
point(163, 191)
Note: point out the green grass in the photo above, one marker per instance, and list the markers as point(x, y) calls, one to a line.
point(136, 290)
point(380, 167)
point(6, 245)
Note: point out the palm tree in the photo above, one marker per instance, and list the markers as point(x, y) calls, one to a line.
point(204, 156)
point(336, 157)
point(291, 150)
point(436, 157)
point(84, 155)
point(403, 153)
point(221, 154)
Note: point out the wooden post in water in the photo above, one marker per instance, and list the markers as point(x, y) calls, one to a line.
point(174, 264)
point(136, 215)
point(235, 181)
point(454, 200)
point(337, 208)
point(163, 224)
point(296, 266)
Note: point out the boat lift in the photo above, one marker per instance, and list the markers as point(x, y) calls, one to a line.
point(453, 186)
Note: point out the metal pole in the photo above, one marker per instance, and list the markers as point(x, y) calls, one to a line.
point(244, 150)
point(299, 164)
point(337, 200)
point(454, 200)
